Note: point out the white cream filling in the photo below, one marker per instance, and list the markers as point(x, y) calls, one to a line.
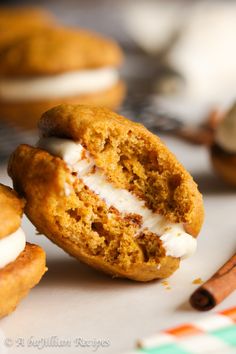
point(55, 86)
point(225, 134)
point(176, 241)
point(11, 246)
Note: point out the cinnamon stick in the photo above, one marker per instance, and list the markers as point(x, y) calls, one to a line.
point(217, 288)
point(196, 136)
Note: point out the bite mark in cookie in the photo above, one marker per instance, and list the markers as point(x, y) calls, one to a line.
point(177, 243)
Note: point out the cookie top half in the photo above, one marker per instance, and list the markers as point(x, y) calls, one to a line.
point(58, 50)
point(132, 158)
point(11, 210)
point(16, 17)
point(18, 22)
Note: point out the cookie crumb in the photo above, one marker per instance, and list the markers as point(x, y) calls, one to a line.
point(197, 281)
point(166, 284)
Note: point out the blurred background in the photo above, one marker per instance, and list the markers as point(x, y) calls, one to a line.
point(179, 56)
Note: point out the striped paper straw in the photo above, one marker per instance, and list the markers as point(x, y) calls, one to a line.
point(215, 334)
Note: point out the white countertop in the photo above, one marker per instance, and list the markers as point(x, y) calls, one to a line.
point(73, 301)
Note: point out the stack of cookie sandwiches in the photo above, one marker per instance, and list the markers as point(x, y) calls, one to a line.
point(21, 264)
point(108, 192)
point(58, 65)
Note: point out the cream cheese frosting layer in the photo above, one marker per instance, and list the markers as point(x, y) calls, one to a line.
point(226, 131)
point(56, 86)
point(176, 241)
point(11, 246)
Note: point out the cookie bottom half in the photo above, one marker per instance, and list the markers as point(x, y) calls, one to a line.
point(18, 277)
point(26, 114)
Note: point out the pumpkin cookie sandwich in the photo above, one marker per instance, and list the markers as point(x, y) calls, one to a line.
point(21, 264)
point(108, 192)
point(18, 22)
point(55, 66)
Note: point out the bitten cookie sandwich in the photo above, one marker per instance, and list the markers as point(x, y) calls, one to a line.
point(21, 264)
point(223, 151)
point(18, 22)
point(108, 192)
point(56, 66)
